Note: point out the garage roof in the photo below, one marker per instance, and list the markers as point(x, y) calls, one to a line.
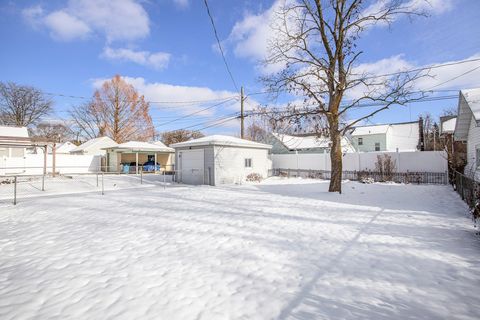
point(139, 146)
point(220, 140)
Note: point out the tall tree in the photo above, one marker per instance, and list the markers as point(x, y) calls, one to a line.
point(22, 106)
point(315, 49)
point(117, 110)
point(176, 136)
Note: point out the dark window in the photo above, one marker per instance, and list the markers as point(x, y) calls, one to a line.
point(360, 141)
point(477, 160)
point(377, 146)
point(248, 163)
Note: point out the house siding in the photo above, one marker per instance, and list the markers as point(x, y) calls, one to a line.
point(369, 142)
point(473, 142)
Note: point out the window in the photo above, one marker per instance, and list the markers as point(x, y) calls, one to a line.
point(248, 163)
point(377, 146)
point(360, 141)
point(477, 156)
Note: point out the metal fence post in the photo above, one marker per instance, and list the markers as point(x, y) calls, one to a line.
point(164, 182)
point(103, 188)
point(97, 179)
point(15, 190)
point(43, 182)
point(141, 175)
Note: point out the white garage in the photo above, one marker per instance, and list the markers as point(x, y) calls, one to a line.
point(219, 159)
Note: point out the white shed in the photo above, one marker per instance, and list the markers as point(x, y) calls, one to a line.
point(218, 159)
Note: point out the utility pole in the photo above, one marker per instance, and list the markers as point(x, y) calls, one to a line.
point(242, 117)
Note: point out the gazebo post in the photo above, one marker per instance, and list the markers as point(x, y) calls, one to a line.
point(155, 163)
point(136, 162)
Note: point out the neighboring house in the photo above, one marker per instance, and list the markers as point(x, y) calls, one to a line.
point(218, 159)
point(64, 148)
point(386, 137)
point(96, 146)
point(13, 141)
point(467, 129)
point(282, 144)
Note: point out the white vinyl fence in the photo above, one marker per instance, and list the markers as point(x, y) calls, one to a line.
point(32, 164)
point(415, 161)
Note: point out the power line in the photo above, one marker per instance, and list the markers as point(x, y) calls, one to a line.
point(193, 113)
point(395, 73)
point(220, 46)
point(234, 115)
point(187, 102)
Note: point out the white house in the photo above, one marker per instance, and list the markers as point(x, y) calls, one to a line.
point(13, 141)
point(467, 128)
point(386, 137)
point(219, 159)
point(283, 143)
point(447, 124)
point(96, 146)
point(65, 148)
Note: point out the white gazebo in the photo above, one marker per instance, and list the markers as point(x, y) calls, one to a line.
point(135, 153)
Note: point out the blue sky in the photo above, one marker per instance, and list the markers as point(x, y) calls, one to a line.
point(166, 49)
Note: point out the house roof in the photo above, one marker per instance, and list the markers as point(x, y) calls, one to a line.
point(65, 147)
point(221, 140)
point(472, 97)
point(92, 142)
point(374, 129)
point(302, 143)
point(468, 107)
point(13, 132)
point(139, 146)
point(448, 126)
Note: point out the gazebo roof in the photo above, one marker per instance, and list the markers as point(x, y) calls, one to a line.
point(140, 146)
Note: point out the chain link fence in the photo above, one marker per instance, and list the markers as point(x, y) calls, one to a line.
point(469, 191)
point(20, 187)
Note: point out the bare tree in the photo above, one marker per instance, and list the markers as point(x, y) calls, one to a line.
point(176, 136)
point(315, 48)
point(53, 131)
point(117, 110)
point(22, 106)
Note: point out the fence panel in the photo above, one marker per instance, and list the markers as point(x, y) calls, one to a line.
point(399, 177)
point(469, 191)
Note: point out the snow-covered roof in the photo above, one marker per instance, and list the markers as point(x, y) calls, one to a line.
point(449, 125)
point(159, 143)
point(472, 96)
point(374, 129)
point(90, 143)
point(221, 140)
point(13, 132)
point(301, 143)
point(141, 146)
point(65, 147)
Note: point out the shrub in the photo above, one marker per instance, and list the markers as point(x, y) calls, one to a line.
point(254, 177)
point(385, 166)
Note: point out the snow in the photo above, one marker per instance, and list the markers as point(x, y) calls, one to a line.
point(280, 249)
point(142, 146)
point(16, 132)
point(449, 125)
point(221, 140)
point(366, 130)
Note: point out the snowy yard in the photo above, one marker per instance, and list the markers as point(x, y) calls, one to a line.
point(283, 249)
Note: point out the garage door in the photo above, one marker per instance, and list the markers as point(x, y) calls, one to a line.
point(191, 166)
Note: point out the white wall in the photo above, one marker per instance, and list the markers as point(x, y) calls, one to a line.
point(230, 164)
point(32, 164)
point(473, 143)
point(425, 161)
point(403, 136)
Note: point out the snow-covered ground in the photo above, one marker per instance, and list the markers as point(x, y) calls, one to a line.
point(283, 249)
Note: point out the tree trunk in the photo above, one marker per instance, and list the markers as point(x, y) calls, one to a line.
point(336, 161)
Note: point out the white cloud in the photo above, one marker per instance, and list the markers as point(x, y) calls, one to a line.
point(115, 20)
point(157, 60)
point(182, 3)
point(65, 27)
point(160, 92)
